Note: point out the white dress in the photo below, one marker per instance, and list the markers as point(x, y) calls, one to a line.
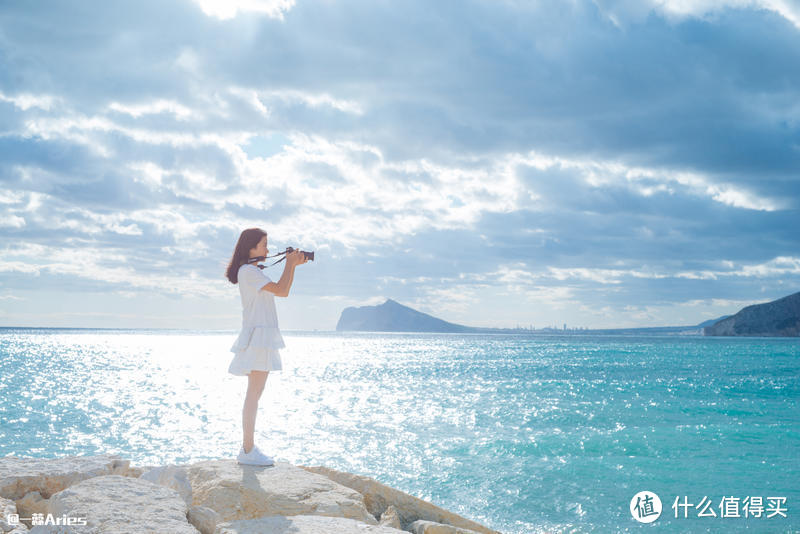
point(258, 344)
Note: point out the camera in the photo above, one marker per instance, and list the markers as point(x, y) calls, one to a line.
point(308, 255)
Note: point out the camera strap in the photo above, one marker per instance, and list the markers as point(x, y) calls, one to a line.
point(262, 258)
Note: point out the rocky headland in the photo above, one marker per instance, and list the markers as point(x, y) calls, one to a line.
point(106, 494)
point(779, 318)
point(391, 316)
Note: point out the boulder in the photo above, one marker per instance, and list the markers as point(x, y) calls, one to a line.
point(237, 491)
point(20, 476)
point(171, 476)
point(63, 529)
point(378, 497)
point(421, 526)
point(390, 518)
point(204, 519)
point(31, 503)
point(116, 504)
point(7, 525)
point(135, 472)
point(302, 524)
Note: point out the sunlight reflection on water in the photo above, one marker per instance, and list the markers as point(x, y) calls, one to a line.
point(518, 433)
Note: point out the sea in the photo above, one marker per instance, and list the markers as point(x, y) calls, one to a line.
point(522, 433)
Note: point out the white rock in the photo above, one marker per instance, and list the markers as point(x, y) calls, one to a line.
point(118, 504)
point(430, 527)
point(378, 497)
point(63, 529)
point(31, 503)
point(302, 524)
point(171, 476)
point(245, 492)
point(20, 476)
point(134, 471)
point(7, 509)
point(389, 518)
point(204, 519)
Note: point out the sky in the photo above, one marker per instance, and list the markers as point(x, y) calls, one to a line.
point(594, 163)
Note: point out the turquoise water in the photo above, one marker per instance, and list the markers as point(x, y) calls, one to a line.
point(523, 434)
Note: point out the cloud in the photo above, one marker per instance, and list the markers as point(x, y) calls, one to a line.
point(227, 9)
point(624, 164)
point(625, 11)
point(25, 101)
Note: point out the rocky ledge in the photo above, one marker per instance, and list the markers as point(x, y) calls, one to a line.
point(106, 494)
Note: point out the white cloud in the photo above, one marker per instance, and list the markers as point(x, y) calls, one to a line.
point(189, 61)
point(313, 100)
point(647, 181)
point(228, 9)
point(26, 101)
point(382, 201)
point(518, 275)
point(91, 131)
point(9, 220)
point(94, 264)
point(251, 97)
point(155, 107)
point(788, 9)
point(620, 12)
point(19, 267)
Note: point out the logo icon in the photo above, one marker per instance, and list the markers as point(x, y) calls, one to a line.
point(645, 507)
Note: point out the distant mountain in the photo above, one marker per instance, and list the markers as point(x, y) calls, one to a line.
point(391, 316)
point(712, 321)
point(779, 318)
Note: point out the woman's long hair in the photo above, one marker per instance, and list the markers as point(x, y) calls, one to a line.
point(247, 240)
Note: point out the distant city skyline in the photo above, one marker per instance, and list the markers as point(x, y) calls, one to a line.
point(596, 163)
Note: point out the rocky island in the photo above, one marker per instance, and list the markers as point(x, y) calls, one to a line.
point(391, 316)
point(779, 318)
point(105, 494)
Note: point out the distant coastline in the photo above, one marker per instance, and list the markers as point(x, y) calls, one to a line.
point(391, 316)
point(778, 318)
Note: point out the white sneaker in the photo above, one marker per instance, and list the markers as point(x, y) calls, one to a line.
point(254, 457)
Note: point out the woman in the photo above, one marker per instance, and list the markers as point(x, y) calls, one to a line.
point(256, 348)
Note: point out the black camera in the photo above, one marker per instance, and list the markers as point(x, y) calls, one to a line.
point(308, 255)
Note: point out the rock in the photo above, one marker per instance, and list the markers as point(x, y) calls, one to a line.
point(392, 316)
point(237, 491)
point(116, 504)
point(171, 476)
point(20, 476)
point(302, 524)
point(134, 472)
point(204, 519)
point(32, 503)
point(378, 497)
point(8, 509)
point(777, 318)
point(421, 526)
point(390, 518)
point(63, 529)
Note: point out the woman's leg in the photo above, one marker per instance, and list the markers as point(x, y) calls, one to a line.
point(255, 385)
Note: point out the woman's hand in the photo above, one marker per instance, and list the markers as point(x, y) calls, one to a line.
point(296, 257)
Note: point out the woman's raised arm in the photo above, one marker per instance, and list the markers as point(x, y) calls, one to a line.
point(281, 288)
